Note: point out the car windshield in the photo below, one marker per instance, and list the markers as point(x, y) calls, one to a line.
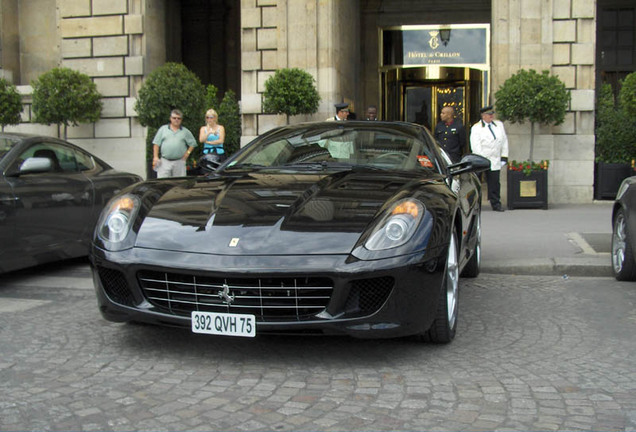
point(339, 147)
point(6, 144)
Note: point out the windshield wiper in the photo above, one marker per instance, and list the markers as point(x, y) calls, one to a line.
point(320, 165)
point(245, 166)
point(333, 165)
point(372, 167)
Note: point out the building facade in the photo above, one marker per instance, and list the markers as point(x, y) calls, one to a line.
point(355, 49)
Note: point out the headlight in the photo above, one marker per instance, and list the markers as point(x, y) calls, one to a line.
point(116, 221)
point(397, 227)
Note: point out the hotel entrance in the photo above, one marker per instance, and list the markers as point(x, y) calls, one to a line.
point(417, 95)
point(425, 68)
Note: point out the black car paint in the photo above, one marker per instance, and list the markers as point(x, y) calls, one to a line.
point(626, 201)
point(49, 216)
point(267, 210)
point(186, 246)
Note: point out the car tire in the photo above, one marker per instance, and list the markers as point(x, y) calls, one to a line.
point(473, 267)
point(622, 251)
point(443, 328)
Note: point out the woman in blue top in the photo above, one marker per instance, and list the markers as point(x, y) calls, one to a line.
point(212, 135)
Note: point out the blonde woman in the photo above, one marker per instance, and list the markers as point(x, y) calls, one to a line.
point(212, 135)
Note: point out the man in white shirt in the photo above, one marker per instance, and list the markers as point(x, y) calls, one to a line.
point(488, 139)
point(342, 112)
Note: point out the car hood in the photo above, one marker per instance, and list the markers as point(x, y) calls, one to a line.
point(272, 213)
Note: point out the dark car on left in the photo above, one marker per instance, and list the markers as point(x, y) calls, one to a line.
point(51, 194)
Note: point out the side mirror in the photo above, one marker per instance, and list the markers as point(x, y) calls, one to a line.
point(469, 163)
point(35, 165)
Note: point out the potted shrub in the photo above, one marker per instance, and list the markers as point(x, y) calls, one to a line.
point(10, 104)
point(65, 97)
point(627, 96)
point(538, 98)
point(291, 92)
point(171, 86)
point(528, 184)
point(615, 145)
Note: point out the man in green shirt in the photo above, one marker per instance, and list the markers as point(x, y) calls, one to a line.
point(175, 144)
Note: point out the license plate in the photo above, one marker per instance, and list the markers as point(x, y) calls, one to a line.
point(224, 324)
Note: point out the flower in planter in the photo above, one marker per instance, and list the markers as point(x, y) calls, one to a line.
point(527, 167)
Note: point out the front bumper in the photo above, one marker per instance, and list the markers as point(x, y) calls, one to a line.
point(326, 294)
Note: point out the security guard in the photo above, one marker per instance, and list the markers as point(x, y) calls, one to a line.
point(450, 133)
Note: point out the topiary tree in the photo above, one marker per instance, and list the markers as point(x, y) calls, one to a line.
point(10, 104)
point(615, 143)
point(627, 96)
point(63, 96)
point(527, 95)
point(229, 116)
point(291, 92)
point(171, 86)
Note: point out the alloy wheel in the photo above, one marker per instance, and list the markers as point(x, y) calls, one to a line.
point(618, 243)
point(452, 282)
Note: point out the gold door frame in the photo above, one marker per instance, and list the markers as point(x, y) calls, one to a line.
point(395, 82)
point(434, 53)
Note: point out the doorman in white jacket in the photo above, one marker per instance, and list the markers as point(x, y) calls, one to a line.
point(488, 139)
point(342, 112)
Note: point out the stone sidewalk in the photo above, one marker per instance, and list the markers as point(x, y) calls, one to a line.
point(566, 239)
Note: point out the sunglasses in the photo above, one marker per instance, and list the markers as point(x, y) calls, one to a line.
point(209, 116)
point(175, 118)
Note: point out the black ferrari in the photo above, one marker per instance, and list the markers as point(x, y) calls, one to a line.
point(357, 228)
point(51, 194)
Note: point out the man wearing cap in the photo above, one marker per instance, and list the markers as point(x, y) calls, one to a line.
point(488, 139)
point(342, 112)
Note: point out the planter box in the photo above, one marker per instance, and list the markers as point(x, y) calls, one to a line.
point(608, 178)
point(528, 191)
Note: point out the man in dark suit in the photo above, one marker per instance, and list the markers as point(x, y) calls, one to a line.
point(450, 133)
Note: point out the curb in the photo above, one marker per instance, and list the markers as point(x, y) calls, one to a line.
point(595, 266)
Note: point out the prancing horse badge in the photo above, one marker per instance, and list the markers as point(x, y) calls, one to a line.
point(234, 242)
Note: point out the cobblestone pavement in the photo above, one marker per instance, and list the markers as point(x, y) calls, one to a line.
point(532, 353)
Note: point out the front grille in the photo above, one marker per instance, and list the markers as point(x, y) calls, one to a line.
point(368, 295)
point(115, 286)
point(269, 299)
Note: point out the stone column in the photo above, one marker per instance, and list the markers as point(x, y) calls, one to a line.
point(320, 37)
point(103, 39)
point(558, 36)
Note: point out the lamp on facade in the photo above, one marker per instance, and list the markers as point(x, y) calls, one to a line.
point(444, 35)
